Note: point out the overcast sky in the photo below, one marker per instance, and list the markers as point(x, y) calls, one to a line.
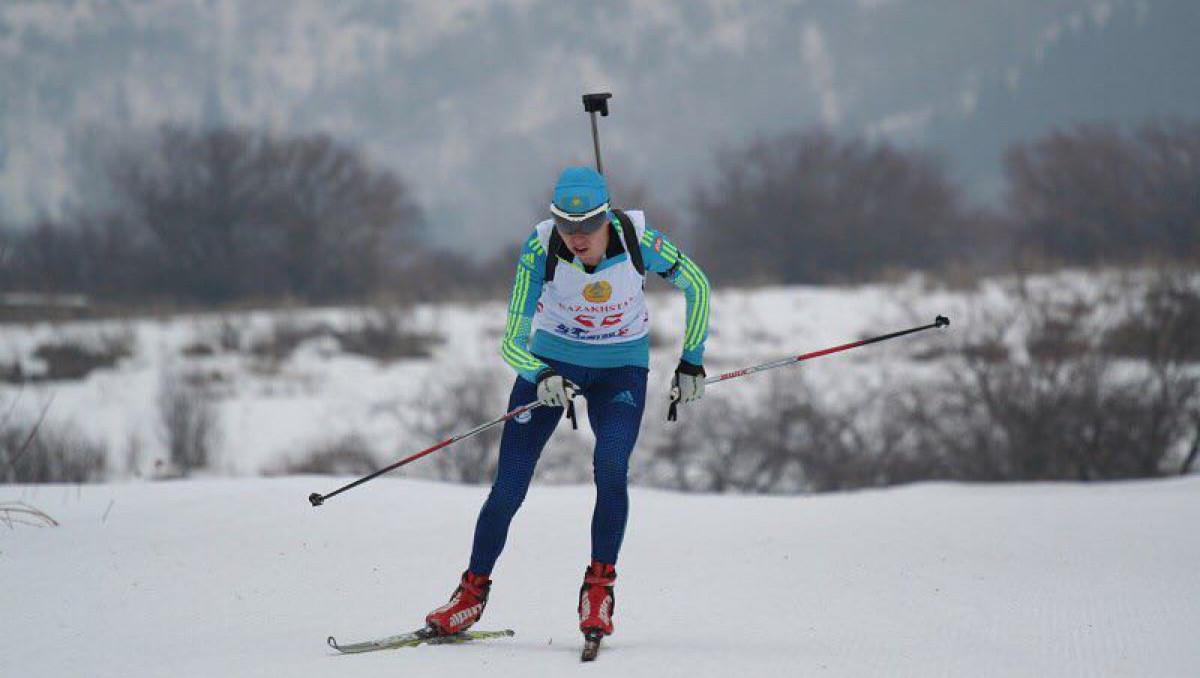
point(479, 107)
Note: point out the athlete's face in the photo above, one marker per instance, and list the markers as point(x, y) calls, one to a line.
point(589, 247)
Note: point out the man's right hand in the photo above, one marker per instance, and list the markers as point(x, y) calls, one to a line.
point(553, 390)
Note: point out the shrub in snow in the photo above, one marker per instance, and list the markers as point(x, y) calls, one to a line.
point(383, 335)
point(349, 455)
point(698, 455)
point(1165, 326)
point(458, 403)
point(198, 349)
point(189, 423)
point(72, 358)
point(285, 334)
point(1031, 393)
point(1062, 408)
point(783, 436)
point(41, 454)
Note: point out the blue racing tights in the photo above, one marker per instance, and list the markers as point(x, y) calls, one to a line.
point(616, 397)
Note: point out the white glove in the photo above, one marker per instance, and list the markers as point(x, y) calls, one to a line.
point(687, 386)
point(553, 390)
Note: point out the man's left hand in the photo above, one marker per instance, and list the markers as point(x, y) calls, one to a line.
point(687, 385)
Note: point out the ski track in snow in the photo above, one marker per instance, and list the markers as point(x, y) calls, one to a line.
point(243, 578)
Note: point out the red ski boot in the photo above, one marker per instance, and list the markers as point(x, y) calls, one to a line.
point(596, 599)
point(465, 606)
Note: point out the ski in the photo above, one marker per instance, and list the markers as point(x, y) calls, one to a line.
point(591, 645)
point(425, 636)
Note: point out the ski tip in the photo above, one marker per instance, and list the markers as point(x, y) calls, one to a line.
point(333, 643)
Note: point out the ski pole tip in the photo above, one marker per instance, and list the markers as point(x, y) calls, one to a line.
point(316, 499)
point(941, 321)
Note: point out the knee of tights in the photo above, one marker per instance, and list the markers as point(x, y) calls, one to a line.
point(507, 502)
point(611, 474)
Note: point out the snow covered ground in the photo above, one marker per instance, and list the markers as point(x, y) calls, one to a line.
point(241, 577)
point(319, 394)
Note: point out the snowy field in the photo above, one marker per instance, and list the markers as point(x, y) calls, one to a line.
point(232, 574)
point(241, 577)
point(269, 413)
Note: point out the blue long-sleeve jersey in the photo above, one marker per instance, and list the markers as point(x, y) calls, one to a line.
point(659, 256)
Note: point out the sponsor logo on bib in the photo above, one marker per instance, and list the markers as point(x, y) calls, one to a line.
point(598, 292)
point(606, 321)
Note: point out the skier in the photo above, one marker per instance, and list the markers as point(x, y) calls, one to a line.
point(579, 288)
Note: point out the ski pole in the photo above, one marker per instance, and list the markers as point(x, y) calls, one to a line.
point(593, 104)
point(316, 499)
point(938, 322)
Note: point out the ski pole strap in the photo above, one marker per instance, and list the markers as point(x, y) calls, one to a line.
point(571, 413)
point(690, 370)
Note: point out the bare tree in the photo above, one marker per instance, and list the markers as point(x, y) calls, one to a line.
point(1095, 194)
point(812, 208)
point(210, 216)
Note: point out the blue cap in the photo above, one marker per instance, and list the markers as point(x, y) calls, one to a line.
point(580, 190)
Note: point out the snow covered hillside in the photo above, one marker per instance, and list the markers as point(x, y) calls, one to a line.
point(266, 412)
point(242, 577)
